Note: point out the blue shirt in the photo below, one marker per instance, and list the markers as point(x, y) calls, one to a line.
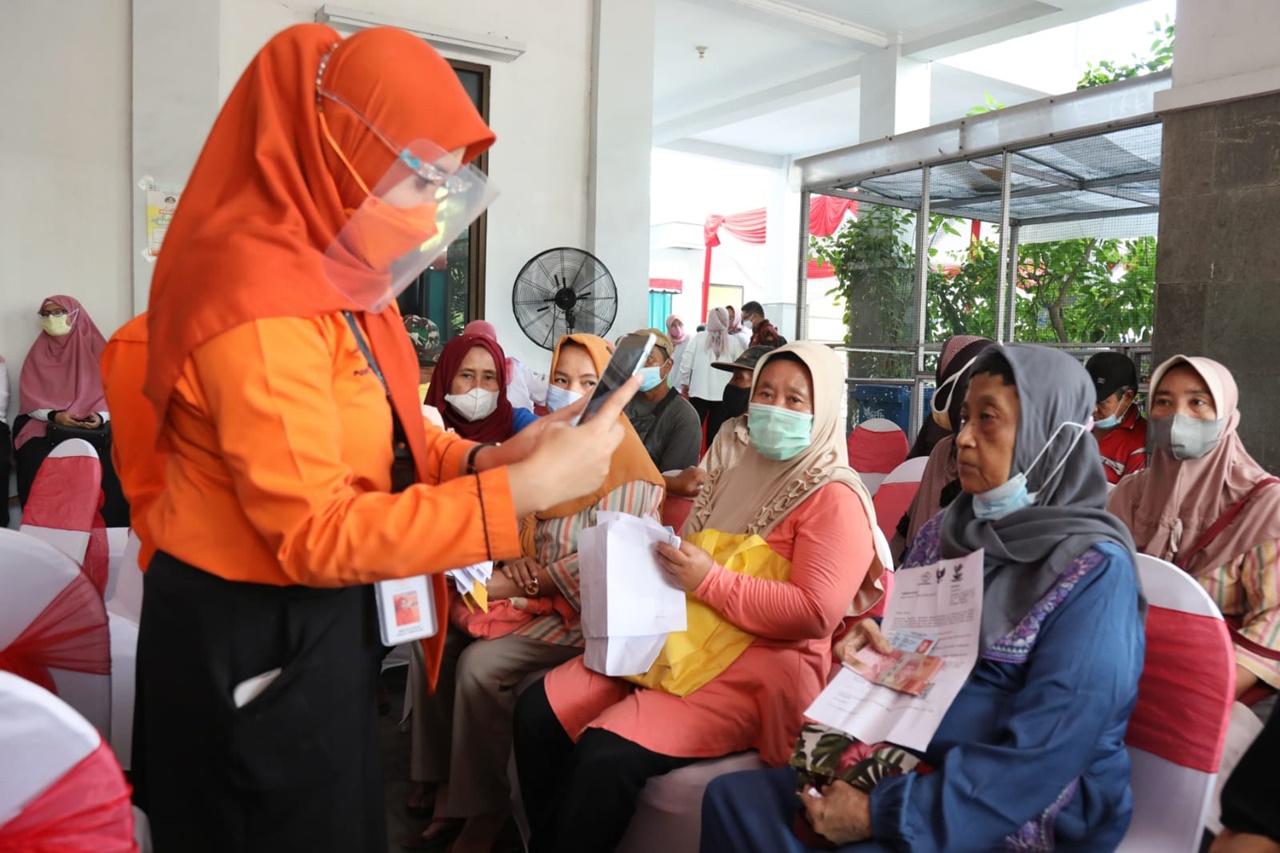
point(521, 418)
point(1031, 754)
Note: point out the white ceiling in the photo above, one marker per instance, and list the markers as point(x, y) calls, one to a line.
point(771, 87)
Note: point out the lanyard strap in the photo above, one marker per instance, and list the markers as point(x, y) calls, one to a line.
point(403, 471)
point(368, 354)
point(1223, 523)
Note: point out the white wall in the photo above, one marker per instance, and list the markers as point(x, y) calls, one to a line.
point(538, 108)
point(1225, 49)
point(64, 165)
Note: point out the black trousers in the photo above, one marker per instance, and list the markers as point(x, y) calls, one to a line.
point(6, 459)
point(579, 798)
point(296, 768)
point(705, 408)
point(115, 509)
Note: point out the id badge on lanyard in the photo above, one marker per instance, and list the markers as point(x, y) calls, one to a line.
point(406, 607)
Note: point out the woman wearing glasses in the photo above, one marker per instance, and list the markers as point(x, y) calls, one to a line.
point(60, 397)
point(300, 469)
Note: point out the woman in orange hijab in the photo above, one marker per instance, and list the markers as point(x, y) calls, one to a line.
point(299, 467)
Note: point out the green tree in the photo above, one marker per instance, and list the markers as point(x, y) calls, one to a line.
point(1159, 58)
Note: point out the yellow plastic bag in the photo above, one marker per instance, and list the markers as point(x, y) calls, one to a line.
point(692, 657)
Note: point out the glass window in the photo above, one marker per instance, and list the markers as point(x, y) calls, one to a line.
point(451, 292)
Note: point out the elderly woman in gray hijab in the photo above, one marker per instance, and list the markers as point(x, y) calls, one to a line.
point(1031, 754)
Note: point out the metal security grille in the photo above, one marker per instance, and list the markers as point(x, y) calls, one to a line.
point(1035, 223)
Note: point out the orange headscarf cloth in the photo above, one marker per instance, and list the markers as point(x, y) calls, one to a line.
point(269, 194)
point(630, 461)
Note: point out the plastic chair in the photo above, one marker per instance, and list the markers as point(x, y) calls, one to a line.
point(876, 447)
point(53, 626)
point(1178, 727)
point(62, 508)
point(668, 816)
point(62, 788)
point(675, 510)
point(896, 494)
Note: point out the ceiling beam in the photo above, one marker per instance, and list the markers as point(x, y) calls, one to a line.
point(820, 20)
point(830, 81)
point(726, 152)
point(1016, 18)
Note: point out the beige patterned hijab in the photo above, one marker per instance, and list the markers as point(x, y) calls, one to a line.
point(756, 494)
point(1172, 503)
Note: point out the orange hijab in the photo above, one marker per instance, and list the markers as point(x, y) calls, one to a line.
point(630, 461)
point(269, 194)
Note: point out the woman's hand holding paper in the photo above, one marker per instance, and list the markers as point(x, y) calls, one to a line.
point(686, 565)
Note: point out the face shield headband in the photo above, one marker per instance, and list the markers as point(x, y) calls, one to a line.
point(409, 217)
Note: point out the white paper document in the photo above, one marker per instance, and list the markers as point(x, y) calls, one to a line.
point(625, 593)
point(622, 655)
point(629, 605)
point(939, 605)
point(465, 578)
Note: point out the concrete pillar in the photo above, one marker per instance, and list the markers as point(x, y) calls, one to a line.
point(1218, 269)
point(620, 151)
point(175, 100)
point(893, 93)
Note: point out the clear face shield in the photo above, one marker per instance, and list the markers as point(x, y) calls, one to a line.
point(409, 218)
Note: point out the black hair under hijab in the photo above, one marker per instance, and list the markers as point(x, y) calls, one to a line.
point(1027, 550)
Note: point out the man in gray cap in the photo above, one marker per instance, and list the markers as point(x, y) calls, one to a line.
point(737, 394)
point(1120, 430)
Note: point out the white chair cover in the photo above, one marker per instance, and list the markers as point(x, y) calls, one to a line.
point(64, 498)
point(668, 816)
point(33, 574)
point(896, 493)
point(1171, 801)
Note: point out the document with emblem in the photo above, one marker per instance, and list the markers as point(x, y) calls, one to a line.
point(933, 620)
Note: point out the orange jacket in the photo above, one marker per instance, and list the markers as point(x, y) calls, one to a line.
point(138, 464)
point(280, 469)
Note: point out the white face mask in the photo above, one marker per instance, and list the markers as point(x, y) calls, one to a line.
point(475, 405)
point(558, 398)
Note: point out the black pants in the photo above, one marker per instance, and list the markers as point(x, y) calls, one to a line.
point(705, 408)
point(29, 458)
point(578, 797)
point(6, 458)
point(296, 768)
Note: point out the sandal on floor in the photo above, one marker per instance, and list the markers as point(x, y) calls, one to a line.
point(450, 829)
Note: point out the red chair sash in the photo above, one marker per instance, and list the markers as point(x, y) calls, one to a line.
point(71, 633)
point(88, 809)
point(1186, 691)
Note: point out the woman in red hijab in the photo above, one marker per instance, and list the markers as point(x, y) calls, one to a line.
point(469, 388)
point(299, 468)
point(62, 385)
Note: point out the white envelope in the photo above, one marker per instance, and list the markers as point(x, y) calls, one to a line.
point(623, 655)
point(624, 592)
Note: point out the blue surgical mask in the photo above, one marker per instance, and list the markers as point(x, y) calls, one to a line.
point(778, 433)
point(650, 378)
point(558, 398)
point(1013, 495)
point(1112, 421)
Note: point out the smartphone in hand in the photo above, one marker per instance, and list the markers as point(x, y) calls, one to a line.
point(627, 360)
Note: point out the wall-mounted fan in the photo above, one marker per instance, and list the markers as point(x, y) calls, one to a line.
point(562, 291)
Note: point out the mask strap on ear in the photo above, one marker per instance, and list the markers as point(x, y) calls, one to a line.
point(328, 137)
point(1081, 431)
point(952, 380)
